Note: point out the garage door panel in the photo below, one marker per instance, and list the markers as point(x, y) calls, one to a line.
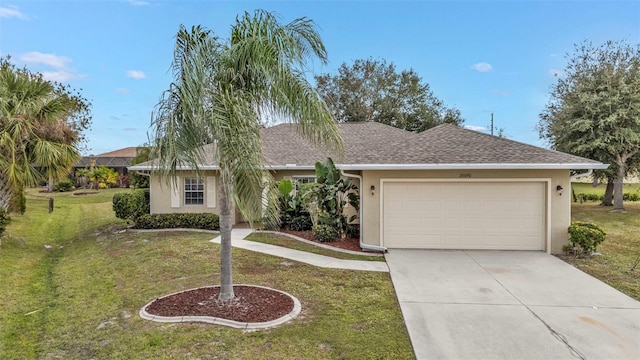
point(474, 215)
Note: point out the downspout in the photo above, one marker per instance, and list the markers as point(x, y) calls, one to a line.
point(578, 176)
point(362, 244)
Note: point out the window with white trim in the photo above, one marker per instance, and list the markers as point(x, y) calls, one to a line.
point(299, 180)
point(193, 191)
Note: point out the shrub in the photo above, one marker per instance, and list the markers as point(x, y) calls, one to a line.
point(301, 223)
point(63, 185)
point(131, 205)
point(206, 221)
point(4, 220)
point(591, 197)
point(18, 202)
point(585, 237)
point(631, 197)
point(353, 230)
point(325, 233)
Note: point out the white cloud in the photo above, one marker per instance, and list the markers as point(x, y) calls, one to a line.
point(475, 128)
point(136, 74)
point(61, 76)
point(10, 11)
point(554, 72)
point(138, 2)
point(55, 61)
point(124, 91)
point(482, 67)
point(61, 72)
point(500, 92)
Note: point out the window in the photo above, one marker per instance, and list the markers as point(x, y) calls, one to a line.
point(193, 191)
point(299, 180)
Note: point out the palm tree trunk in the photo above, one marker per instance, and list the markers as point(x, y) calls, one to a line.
point(50, 183)
point(5, 194)
point(226, 207)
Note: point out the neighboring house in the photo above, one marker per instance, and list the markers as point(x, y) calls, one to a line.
point(118, 160)
point(445, 188)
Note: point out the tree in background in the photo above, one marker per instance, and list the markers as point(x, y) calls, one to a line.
point(219, 91)
point(372, 90)
point(41, 126)
point(143, 153)
point(594, 109)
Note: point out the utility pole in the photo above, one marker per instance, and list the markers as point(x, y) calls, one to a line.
point(491, 123)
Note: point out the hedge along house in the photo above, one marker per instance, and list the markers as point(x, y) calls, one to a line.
point(445, 188)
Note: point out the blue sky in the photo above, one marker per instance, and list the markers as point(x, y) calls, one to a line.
point(480, 56)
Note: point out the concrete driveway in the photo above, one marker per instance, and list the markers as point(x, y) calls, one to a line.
point(510, 305)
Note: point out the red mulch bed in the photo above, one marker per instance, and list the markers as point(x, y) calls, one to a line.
point(251, 304)
point(350, 243)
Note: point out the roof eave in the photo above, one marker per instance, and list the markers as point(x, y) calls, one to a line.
point(471, 166)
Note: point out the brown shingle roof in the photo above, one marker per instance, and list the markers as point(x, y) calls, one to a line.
point(124, 152)
point(371, 145)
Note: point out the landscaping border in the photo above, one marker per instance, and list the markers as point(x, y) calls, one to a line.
point(328, 247)
point(297, 308)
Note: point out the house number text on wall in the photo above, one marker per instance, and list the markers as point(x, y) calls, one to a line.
point(465, 176)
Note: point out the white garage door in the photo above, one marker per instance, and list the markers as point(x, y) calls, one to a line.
point(464, 215)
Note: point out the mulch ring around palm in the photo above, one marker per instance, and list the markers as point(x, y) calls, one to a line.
point(252, 304)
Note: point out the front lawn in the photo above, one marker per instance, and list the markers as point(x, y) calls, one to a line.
point(79, 298)
point(620, 250)
point(587, 188)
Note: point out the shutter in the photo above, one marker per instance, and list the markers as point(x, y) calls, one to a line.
point(211, 191)
point(175, 193)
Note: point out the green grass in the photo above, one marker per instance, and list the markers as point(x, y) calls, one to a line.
point(620, 250)
point(284, 241)
point(587, 188)
point(79, 299)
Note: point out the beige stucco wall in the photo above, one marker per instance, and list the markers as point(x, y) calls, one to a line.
point(560, 205)
point(160, 193)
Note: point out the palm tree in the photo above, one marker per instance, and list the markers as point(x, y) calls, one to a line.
point(220, 92)
point(33, 130)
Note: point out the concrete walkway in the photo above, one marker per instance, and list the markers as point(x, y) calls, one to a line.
point(237, 240)
point(510, 305)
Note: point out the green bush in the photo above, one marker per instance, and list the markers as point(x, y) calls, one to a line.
point(585, 237)
point(325, 233)
point(591, 197)
point(63, 185)
point(631, 197)
point(18, 202)
point(131, 205)
point(4, 220)
point(206, 221)
point(300, 223)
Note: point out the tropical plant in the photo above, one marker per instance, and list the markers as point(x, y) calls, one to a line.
point(100, 177)
point(219, 93)
point(41, 125)
point(333, 193)
point(293, 213)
